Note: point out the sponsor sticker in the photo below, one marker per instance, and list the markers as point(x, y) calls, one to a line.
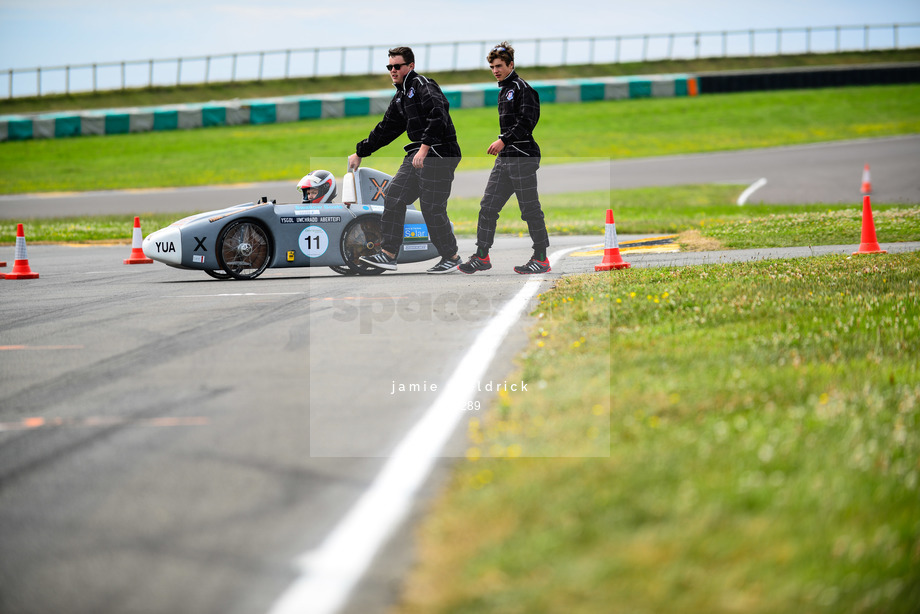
point(415, 231)
point(310, 219)
point(415, 248)
point(290, 256)
point(198, 259)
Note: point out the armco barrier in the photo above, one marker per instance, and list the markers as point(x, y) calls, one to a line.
point(319, 106)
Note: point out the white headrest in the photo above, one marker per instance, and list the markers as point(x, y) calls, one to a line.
point(349, 193)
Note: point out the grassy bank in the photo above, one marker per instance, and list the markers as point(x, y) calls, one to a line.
point(141, 97)
point(567, 133)
point(706, 215)
point(761, 422)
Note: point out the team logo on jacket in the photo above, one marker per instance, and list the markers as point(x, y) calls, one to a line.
point(510, 95)
point(411, 92)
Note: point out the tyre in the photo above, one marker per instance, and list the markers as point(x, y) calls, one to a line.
point(362, 237)
point(342, 270)
point(243, 249)
point(217, 274)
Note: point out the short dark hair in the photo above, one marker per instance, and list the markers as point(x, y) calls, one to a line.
point(405, 52)
point(502, 51)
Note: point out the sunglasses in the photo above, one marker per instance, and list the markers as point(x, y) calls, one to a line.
point(396, 66)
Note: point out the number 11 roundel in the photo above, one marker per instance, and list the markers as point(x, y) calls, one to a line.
point(313, 241)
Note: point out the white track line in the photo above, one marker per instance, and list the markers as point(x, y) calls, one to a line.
point(330, 572)
point(751, 189)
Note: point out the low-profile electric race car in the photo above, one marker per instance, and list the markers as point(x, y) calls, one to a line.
point(240, 242)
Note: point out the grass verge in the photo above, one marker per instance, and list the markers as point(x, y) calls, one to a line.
point(140, 97)
point(764, 437)
point(704, 214)
point(567, 133)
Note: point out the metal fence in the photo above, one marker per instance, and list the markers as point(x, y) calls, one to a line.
point(456, 55)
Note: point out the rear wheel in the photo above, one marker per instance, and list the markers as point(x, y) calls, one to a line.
point(243, 249)
point(362, 237)
point(342, 270)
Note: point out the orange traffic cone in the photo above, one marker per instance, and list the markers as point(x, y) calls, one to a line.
point(137, 249)
point(866, 182)
point(612, 259)
point(21, 268)
point(868, 243)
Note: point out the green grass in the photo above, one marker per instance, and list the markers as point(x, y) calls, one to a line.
point(698, 211)
point(160, 95)
point(567, 133)
point(759, 428)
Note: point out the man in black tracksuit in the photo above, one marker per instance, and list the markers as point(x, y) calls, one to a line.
point(420, 109)
point(515, 170)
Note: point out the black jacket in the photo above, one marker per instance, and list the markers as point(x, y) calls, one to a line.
point(420, 109)
point(518, 114)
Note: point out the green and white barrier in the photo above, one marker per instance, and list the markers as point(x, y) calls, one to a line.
point(321, 106)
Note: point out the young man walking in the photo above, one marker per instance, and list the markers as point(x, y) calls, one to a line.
point(419, 109)
point(515, 170)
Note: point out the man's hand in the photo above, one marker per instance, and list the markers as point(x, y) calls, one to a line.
point(419, 160)
point(496, 147)
point(354, 161)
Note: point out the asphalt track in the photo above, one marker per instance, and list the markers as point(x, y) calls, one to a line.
point(172, 443)
point(823, 172)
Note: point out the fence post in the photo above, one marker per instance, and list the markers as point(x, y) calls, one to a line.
point(261, 64)
point(11, 83)
point(207, 70)
point(94, 78)
point(895, 28)
point(123, 86)
point(370, 60)
point(456, 53)
point(807, 40)
point(724, 44)
point(342, 67)
point(645, 47)
point(616, 59)
point(752, 43)
point(779, 41)
point(838, 39)
point(671, 46)
point(866, 42)
point(233, 70)
point(591, 51)
point(537, 53)
point(287, 64)
point(178, 71)
point(38, 81)
point(67, 79)
point(151, 74)
point(315, 62)
point(696, 43)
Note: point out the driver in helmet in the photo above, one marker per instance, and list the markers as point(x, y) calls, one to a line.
point(318, 187)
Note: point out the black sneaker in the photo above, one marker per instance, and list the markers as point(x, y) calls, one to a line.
point(475, 263)
point(533, 267)
point(447, 265)
point(380, 260)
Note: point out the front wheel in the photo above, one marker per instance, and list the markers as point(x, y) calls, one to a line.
point(216, 274)
point(243, 249)
point(362, 237)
